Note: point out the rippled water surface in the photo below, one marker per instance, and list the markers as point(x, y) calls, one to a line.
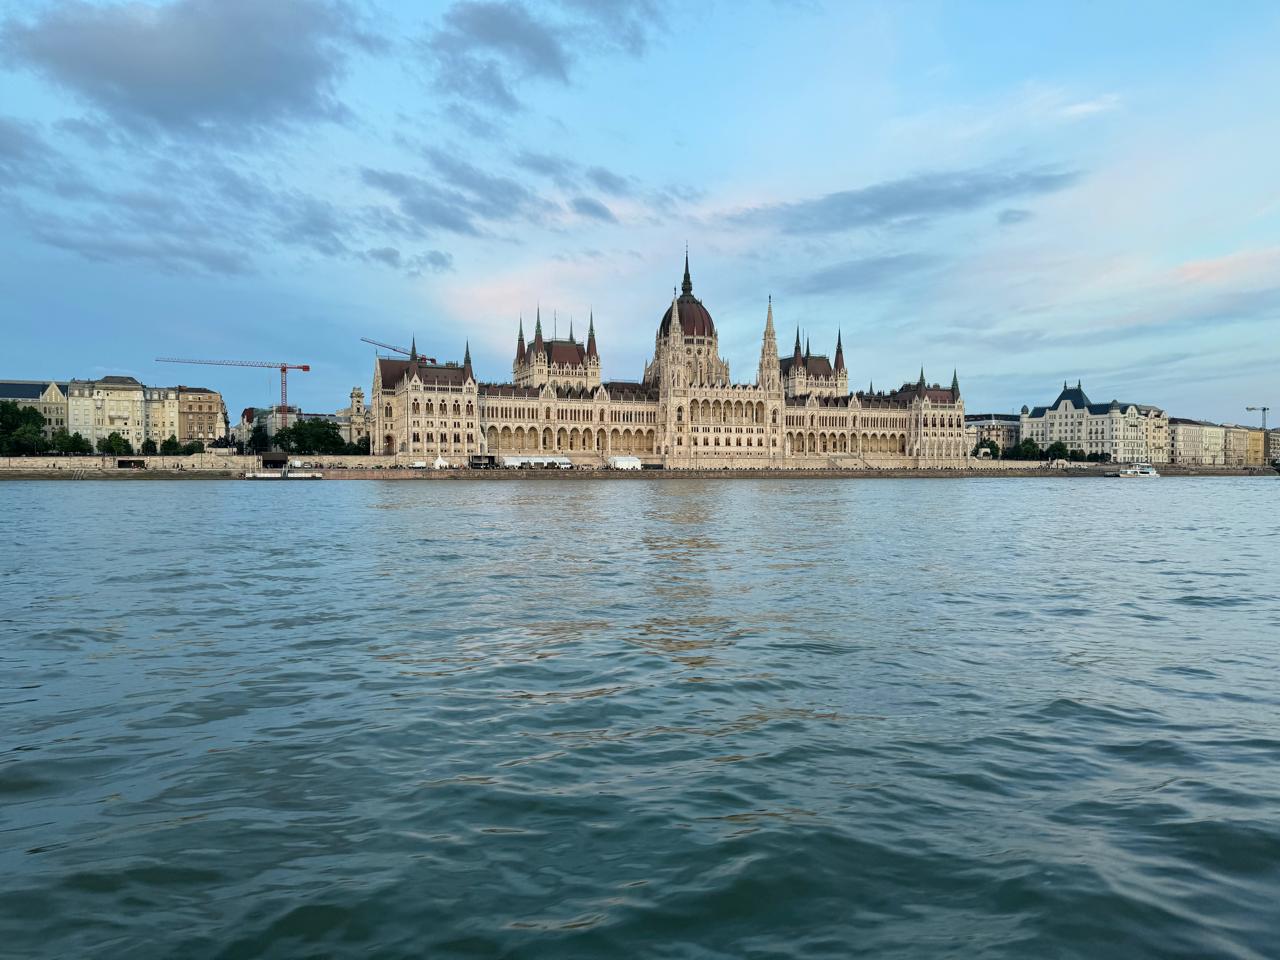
point(711, 719)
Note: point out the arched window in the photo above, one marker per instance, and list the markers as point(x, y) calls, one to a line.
point(679, 414)
point(387, 412)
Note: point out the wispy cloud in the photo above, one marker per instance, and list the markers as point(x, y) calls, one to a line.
point(216, 68)
point(922, 197)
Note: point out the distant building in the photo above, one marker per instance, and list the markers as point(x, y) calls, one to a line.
point(1196, 443)
point(1273, 446)
point(124, 405)
point(1004, 429)
point(47, 396)
point(686, 410)
point(1256, 448)
point(1126, 432)
point(1237, 445)
point(353, 420)
point(202, 415)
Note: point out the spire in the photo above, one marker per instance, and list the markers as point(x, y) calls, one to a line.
point(839, 353)
point(687, 287)
point(675, 333)
point(520, 341)
point(768, 320)
point(921, 384)
point(571, 328)
point(955, 384)
point(591, 335)
point(797, 358)
point(806, 350)
point(537, 330)
point(466, 362)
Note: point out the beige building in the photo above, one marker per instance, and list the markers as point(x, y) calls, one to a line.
point(49, 397)
point(202, 415)
point(1255, 449)
point(1237, 445)
point(1125, 432)
point(686, 411)
point(1196, 443)
point(353, 420)
point(1004, 429)
point(98, 408)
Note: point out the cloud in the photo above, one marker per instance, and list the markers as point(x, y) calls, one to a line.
point(593, 209)
point(194, 67)
point(609, 182)
point(435, 261)
point(1011, 216)
point(866, 273)
point(484, 48)
point(1087, 108)
point(922, 197)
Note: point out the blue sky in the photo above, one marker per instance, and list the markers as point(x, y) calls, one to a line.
point(1024, 192)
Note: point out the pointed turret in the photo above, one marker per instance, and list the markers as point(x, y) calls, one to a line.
point(839, 353)
point(591, 336)
point(413, 349)
point(466, 362)
point(768, 374)
point(806, 351)
point(537, 331)
point(955, 384)
point(571, 329)
point(520, 342)
point(687, 286)
point(797, 356)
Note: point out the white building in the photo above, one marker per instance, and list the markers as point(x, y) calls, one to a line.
point(1197, 443)
point(1125, 432)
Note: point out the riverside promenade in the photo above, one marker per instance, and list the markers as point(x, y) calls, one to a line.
point(207, 466)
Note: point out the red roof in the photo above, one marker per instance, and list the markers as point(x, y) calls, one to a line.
point(695, 321)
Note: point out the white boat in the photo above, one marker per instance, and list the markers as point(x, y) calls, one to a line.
point(1138, 470)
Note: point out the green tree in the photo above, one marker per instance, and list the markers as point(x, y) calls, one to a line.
point(115, 445)
point(149, 447)
point(1057, 451)
point(21, 430)
point(70, 443)
point(259, 442)
point(358, 449)
point(311, 437)
point(171, 447)
point(195, 446)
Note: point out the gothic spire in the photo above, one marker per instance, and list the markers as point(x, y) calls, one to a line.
point(955, 383)
point(686, 288)
point(413, 348)
point(839, 353)
point(806, 350)
point(537, 329)
point(466, 362)
point(591, 335)
point(520, 341)
point(768, 321)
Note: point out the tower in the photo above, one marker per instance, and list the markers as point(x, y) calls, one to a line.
point(768, 376)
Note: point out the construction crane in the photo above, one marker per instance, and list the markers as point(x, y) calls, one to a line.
point(394, 348)
point(284, 369)
point(1265, 411)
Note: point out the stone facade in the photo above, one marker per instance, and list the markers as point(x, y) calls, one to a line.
point(1126, 432)
point(1196, 443)
point(685, 412)
point(353, 420)
point(1004, 429)
point(49, 397)
point(202, 415)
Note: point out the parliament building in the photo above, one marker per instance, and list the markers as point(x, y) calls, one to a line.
point(686, 411)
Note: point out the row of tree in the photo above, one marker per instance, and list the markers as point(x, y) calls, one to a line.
point(22, 435)
point(1028, 449)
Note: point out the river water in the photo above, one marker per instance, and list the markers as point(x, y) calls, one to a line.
point(706, 719)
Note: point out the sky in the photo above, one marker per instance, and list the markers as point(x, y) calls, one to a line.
point(1023, 193)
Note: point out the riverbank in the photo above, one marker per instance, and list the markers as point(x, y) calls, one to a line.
point(533, 476)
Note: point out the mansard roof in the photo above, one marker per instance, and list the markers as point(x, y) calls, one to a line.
point(27, 389)
point(507, 390)
point(566, 353)
point(393, 371)
point(630, 390)
point(1081, 402)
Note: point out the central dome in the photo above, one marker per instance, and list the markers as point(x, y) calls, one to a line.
point(695, 321)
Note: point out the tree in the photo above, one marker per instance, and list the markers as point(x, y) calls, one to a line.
point(149, 447)
point(358, 449)
point(311, 437)
point(115, 445)
point(989, 445)
point(195, 446)
point(259, 442)
point(70, 443)
point(171, 447)
point(1057, 451)
point(21, 430)
point(1028, 449)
